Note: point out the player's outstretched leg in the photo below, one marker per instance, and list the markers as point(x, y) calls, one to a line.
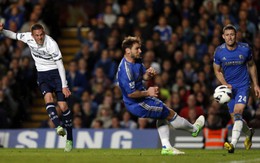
point(179, 122)
point(248, 140)
point(199, 124)
point(164, 133)
point(60, 131)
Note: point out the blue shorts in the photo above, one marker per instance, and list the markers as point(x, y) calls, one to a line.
point(50, 81)
point(149, 108)
point(239, 96)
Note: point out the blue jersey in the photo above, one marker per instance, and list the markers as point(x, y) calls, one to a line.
point(234, 64)
point(130, 79)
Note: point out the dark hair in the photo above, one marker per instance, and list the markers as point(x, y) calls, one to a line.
point(36, 27)
point(130, 41)
point(230, 27)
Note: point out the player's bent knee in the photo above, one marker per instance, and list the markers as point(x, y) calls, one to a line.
point(63, 106)
point(238, 117)
point(171, 114)
point(48, 98)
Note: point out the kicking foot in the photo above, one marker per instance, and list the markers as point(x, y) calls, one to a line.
point(248, 140)
point(60, 131)
point(199, 123)
point(171, 151)
point(229, 147)
point(69, 146)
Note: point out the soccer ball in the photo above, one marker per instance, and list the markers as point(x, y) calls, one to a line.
point(222, 94)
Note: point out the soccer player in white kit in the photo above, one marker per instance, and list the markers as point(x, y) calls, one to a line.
point(51, 76)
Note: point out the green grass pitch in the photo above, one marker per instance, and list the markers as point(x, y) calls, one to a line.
point(125, 156)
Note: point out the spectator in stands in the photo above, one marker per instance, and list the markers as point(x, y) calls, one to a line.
point(34, 18)
point(127, 122)
point(97, 124)
point(77, 82)
point(89, 111)
point(164, 29)
point(143, 25)
point(109, 15)
point(191, 106)
point(105, 115)
point(175, 102)
point(115, 123)
point(107, 64)
point(84, 53)
point(14, 14)
point(142, 123)
point(223, 14)
point(47, 124)
point(77, 122)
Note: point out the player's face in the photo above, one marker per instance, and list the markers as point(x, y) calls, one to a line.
point(135, 51)
point(230, 37)
point(38, 36)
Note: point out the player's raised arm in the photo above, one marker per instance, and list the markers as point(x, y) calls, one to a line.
point(150, 73)
point(1, 27)
point(7, 33)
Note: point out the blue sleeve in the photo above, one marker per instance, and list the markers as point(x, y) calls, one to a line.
point(126, 82)
point(144, 69)
point(216, 57)
point(249, 54)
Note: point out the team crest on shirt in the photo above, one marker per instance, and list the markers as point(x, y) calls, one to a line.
point(55, 55)
point(241, 56)
point(21, 36)
point(224, 58)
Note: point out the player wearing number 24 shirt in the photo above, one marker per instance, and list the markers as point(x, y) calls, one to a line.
point(233, 66)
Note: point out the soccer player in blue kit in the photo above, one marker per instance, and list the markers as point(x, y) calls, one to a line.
point(235, 60)
point(143, 102)
point(51, 75)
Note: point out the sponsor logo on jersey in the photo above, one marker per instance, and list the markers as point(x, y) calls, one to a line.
point(21, 36)
point(132, 85)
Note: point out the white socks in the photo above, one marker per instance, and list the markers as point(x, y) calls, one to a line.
point(237, 128)
point(179, 122)
point(164, 133)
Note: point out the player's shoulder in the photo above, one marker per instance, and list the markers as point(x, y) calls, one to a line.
point(51, 43)
point(220, 48)
point(243, 45)
point(50, 39)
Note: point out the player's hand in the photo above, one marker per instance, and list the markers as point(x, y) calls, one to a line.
point(1, 26)
point(151, 72)
point(66, 92)
point(257, 91)
point(229, 86)
point(153, 91)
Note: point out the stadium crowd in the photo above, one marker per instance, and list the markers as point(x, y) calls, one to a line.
point(179, 38)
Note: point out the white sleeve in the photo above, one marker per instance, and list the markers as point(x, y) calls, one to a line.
point(61, 70)
point(10, 34)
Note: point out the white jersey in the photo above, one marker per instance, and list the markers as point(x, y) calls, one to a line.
point(44, 55)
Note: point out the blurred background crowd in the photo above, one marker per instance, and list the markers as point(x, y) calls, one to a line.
point(179, 38)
